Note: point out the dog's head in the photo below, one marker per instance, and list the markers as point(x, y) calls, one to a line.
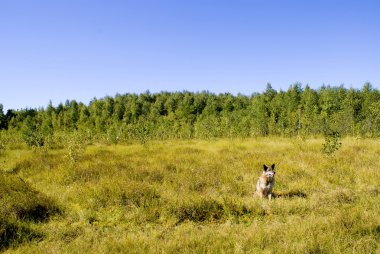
point(269, 172)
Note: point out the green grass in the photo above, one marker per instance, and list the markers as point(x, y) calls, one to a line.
point(194, 197)
point(21, 204)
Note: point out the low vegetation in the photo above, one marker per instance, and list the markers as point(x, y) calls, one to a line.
point(20, 204)
point(191, 196)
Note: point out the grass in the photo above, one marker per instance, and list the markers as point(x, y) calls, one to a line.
point(192, 197)
point(21, 204)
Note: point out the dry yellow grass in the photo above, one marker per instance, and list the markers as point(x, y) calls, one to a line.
point(198, 197)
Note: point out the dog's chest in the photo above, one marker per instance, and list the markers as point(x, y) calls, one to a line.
point(265, 183)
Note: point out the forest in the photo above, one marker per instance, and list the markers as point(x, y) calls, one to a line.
point(185, 115)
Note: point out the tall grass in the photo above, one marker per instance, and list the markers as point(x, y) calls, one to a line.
point(198, 196)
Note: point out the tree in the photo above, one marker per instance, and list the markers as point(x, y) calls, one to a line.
point(31, 133)
point(8, 118)
point(185, 114)
point(309, 112)
point(2, 117)
point(370, 97)
point(293, 98)
point(259, 111)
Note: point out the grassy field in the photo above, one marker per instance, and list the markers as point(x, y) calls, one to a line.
point(192, 197)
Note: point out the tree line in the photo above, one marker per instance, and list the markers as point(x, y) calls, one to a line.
point(185, 115)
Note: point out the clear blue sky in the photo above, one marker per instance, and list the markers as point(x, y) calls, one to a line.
point(81, 49)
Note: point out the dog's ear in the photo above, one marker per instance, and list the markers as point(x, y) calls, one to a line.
point(272, 167)
point(265, 167)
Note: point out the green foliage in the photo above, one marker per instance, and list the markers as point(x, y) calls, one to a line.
point(187, 115)
point(2, 118)
point(3, 142)
point(75, 147)
point(142, 130)
point(113, 134)
point(332, 142)
point(31, 133)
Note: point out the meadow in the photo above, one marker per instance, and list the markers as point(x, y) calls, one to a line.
point(191, 196)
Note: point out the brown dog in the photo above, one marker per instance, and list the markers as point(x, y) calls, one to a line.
point(265, 184)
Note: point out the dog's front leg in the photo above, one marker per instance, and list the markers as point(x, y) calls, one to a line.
point(270, 196)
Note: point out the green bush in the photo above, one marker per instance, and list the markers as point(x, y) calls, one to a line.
point(31, 134)
point(75, 146)
point(332, 142)
point(2, 144)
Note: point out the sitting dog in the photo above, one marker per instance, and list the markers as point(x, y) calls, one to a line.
point(265, 184)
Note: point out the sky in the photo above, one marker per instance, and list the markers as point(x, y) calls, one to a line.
point(54, 50)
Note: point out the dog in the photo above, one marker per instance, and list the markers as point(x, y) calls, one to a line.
point(265, 183)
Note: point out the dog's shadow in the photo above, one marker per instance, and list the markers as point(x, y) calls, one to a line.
point(290, 194)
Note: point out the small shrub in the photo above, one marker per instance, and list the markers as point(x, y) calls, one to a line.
point(48, 144)
point(113, 135)
point(332, 142)
point(142, 131)
point(75, 145)
point(4, 140)
point(31, 133)
point(2, 144)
